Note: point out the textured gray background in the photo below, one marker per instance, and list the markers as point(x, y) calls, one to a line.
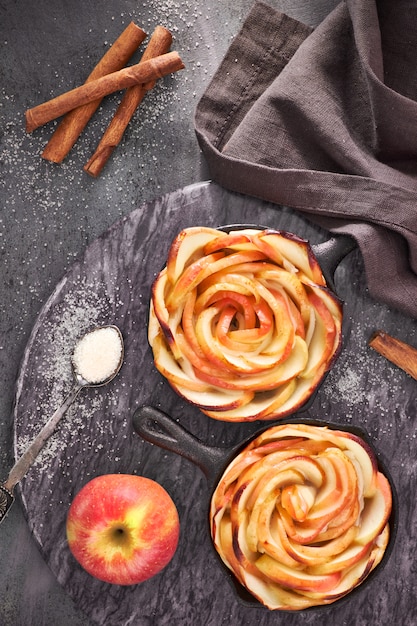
point(49, 214)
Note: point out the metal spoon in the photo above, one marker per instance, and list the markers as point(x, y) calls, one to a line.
point(29, 456)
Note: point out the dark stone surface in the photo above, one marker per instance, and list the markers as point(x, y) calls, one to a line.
point(49, 216)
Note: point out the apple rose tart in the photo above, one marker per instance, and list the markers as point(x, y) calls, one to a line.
point(242, 324)
point(301, 515)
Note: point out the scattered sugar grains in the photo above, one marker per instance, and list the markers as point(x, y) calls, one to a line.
point(362, 391)
point(81, 309)
point(348, 386)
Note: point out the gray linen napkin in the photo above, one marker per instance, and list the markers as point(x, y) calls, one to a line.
point(325, 121)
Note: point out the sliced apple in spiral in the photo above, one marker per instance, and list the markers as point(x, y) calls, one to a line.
point(247, 314)
point(290, 517)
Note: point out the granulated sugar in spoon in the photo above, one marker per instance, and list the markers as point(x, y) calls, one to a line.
point(96, 359)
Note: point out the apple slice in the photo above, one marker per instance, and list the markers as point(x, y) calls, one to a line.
point(294, 249)
point(268, 243)
point(276, 279)
point(259, 529)
point(345, 492)
point(168, 366)
point(363, 454)
point(298, 499)
point(376, 512)
point(234, 471)
point(234, 332)
point(330, 300)
point(352, 577)
point(294, 579)
point(188, 245)
point(343, 561)
point(205, 370)
point(317, 555)
point(158, 298)
point(267, 380)
point(275, 597)
point(323, 341)
point(211, 329)
point(189, 279)
point(261, 406)
point(284, 400)
point(227, 283)
point(154, 328)
point(214, 399)
point(224, 538)
point(191, 344)
point(302, 392)
point(235, 277)
point(235, 240)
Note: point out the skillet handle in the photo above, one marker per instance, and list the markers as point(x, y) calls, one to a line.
point(161, 429)
point(331, 252)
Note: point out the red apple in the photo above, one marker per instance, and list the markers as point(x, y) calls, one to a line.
point(122, 529)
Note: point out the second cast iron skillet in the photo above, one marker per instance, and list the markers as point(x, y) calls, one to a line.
point(160, 429)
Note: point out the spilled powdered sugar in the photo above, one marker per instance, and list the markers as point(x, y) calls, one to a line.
point(366, 386)
point(347, 387)
point(50, 373)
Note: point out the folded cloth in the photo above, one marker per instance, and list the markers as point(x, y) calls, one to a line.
point(325, 121)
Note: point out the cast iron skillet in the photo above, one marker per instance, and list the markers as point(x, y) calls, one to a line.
point(329, 254)
point(162, 430)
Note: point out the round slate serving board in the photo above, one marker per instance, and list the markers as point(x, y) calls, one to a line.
point(111, 284)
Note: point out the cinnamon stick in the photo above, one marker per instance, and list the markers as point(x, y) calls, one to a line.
point(95, 89)
point(396, 351)
point(70, 128)
point(159, 43)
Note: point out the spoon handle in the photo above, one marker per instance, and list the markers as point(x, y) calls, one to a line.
point(22, 465)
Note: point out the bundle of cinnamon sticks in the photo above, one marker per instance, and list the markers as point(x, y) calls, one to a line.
point(110, 74)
